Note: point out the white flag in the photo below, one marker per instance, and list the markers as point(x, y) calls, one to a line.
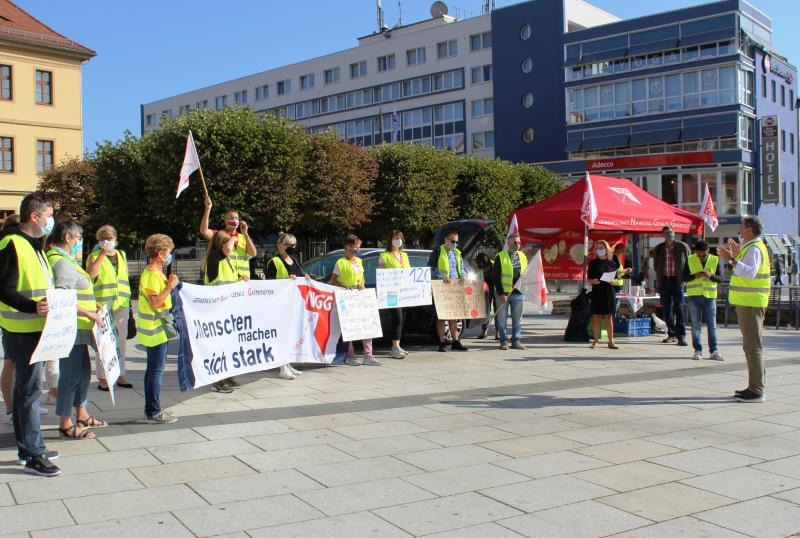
point(395, 126)
point(191, 163)
point(533, 286)
point(513, 228)
point(707, 211)
point(589, 207)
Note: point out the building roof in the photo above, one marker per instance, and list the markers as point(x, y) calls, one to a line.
point(19, 26)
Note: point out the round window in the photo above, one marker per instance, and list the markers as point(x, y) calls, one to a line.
point(526, 65)
point(527, 99)
point(525, 32)
point(528, 135)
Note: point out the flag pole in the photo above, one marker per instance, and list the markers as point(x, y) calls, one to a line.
point(202, 179)
point(585, 253)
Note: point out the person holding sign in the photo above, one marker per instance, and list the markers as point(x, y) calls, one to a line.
point(108, 267)
point(603, 296)
point(25, 276)
point(447, 264)
point(395, 258)
point(218, 269)
point(244, 249)
point(349, 273)
point(152, 320)
point(508, 266)
point(285, 265)
point(75, 370)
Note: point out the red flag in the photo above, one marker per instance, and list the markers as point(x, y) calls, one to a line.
point(589, 207)
point(707, 211)
point(191, 163)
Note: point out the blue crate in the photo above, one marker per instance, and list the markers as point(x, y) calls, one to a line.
point(635, 327)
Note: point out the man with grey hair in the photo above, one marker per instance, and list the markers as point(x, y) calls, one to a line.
point(671, 258)
point(749, 293)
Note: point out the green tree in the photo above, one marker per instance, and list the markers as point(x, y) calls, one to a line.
point(537, 183)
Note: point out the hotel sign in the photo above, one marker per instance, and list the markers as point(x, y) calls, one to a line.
point(770, 160)
point(772, 67)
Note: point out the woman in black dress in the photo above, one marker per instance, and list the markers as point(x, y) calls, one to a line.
point(603, 296)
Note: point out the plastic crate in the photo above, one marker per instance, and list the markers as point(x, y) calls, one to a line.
point(632, 326)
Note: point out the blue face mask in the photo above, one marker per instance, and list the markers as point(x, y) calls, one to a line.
point(76, 248)
point(48, 226)
point(168, 261)
point(669, 236)
point(601, 252)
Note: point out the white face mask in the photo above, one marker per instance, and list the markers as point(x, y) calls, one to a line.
point(397, 243)
point(108, 243)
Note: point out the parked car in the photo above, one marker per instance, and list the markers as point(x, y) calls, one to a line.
point(417, 319)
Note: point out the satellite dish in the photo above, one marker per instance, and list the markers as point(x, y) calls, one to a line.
point(438, 9)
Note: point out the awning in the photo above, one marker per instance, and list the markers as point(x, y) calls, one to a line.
point(653, 46)
point(605, 142)
point(573, 144)
point(655, 137)
point(774, 244)
point(708, 37)
point(725, 127)
point(611, 54)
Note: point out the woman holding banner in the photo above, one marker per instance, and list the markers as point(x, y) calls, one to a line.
point(349, 273)
point(218, 268)
point(285, 265)
point(603, 296)
point(152, 320)
point(66, 242)
point(395, 258)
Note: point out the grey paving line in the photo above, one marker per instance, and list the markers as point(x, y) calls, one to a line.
point(532, 395)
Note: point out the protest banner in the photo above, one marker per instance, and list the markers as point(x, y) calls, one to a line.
point(399, 288)
point(459, 299)
point(358, 314)
point(257, 325)
point(107, 340)
point(60, 328)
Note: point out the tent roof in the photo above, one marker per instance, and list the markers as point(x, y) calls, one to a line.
point(621, 206)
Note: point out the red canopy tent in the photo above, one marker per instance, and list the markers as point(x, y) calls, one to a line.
point(622, 207)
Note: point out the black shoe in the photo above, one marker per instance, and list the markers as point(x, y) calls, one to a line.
point(41, 466)
point(221, 387)
point(442, 346)
point(458, 346)
point(668, 340)
point(748, 396)
point(51, 455)
point(738, 392)
point(100, 387)
point(682, 342)
point(123, 385)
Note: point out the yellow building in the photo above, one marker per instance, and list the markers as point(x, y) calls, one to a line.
point(40, 102)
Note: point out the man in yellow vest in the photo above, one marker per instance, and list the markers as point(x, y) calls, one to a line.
point(749, 293)
point(245, 249)
point(25, 276)
point(446, 264)
point(508, 266)
point(701, 276)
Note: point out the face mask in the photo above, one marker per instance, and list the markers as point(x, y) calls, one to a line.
point(108, 243)
point(601, 252)
point(454, 245)
point(232, 224)
point(76, 248)
point(356, 251)
point(168, 261)
point(291, 250)
point(397, 243)
point(669, 236)
point(48, 226)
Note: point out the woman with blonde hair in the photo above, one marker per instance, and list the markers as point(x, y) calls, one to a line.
point(395, 258)
point(603, 296)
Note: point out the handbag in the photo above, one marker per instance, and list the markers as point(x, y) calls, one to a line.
point(131, 324)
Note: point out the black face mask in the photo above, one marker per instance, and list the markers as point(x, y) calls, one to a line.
point(291, 250)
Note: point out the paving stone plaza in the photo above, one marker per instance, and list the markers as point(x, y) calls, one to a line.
point(556, 440)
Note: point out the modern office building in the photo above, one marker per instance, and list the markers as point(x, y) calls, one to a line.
point(40, 102)
point(673, 101)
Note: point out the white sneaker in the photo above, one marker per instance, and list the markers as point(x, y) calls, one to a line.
point(403, 351)
point(294, 370)
point(285, 373)
point(352, 361)
point(371, 361)
point(716, 356)
point(49, 399)
point(43, 410)
point(397, 353)
point(9, 418)
point(697, 355)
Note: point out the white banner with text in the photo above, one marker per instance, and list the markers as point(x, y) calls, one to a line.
point(399, 288)
point(108, 352)
point(358, 314)
point(60, 328)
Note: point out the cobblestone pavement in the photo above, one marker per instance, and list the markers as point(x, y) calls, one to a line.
point(556, 440)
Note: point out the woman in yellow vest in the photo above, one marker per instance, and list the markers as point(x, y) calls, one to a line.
point(395, 258)
point(285, 265)
point(75, 369)
point(349, 273)
point(108, 267)
point(219, 268)
point(154, 305)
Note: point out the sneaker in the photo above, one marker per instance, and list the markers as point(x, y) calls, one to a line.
point(397, 353)
point(49, 399)
point(748, 396)
point(285, 373)
point(517, 345)
point(232, 383)
point(682, 342)
point(458, 346)
point(716, 356)
point(221, 387)
point(352, 361)
point(403, 351)
point(738, 392)
point(442, 347)
point(697, 355)
point(41, 466)
point(43, 410)
point(162, 418)
point(503, 347)
point(294, 370)
point(371, 361)
point(669, 340)
point(51, 455)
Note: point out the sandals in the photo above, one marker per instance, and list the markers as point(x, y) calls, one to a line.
point(72, 433)
point(594, 345)
point(92, 422)
point(613, 346)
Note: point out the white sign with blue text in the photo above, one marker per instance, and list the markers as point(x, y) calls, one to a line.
point(399, 288)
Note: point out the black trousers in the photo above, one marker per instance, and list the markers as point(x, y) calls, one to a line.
point(395, 323)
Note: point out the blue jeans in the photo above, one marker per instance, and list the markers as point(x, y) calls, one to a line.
point(341, 352)
point(73, 380)
point(27, 391)
point(156, 360)
point(672, 302)
point(701, 308)
point(515, 303)
point(185, 372)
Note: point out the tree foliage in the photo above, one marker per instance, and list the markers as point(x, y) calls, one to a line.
point(71, 186)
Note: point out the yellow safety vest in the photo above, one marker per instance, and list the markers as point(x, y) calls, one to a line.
point(85, 295)
point(150, 330)
point(239, 257)
point(443, 265)
point(111, 287)
point(507, 269)
point(702, 287)
point(348, 276)
point(226, 273)
point(280, 268)
point(751, 291)
point(35, 277)
point(618, 282)
point(390, 262)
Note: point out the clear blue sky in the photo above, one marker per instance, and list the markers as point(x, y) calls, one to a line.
point(149, 49)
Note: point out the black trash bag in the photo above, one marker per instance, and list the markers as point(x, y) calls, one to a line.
point(580, 315)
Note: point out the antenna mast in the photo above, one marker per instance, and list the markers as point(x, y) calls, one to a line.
point(399, 12)
point(379, 6)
